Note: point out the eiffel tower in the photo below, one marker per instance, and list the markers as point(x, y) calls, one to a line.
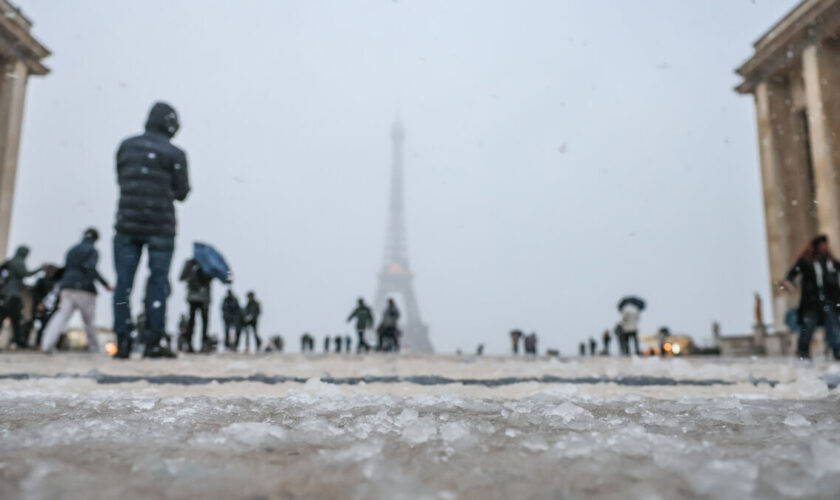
point(396, 276)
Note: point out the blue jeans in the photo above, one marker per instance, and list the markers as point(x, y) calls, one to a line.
point(810, 320)
point(127, 251)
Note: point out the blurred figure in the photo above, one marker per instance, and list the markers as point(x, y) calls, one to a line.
point(327, 343)
point(232, 317)
point(606, 338)
point(78, 293)
point(275, 344)
point(388, 329)
point(480, 350)
point(364, 321)
point(307, 343)
point(12, 274)
point(45, 297)
point(662, 336)
point(630, 308)
point(338, 342)
point(531, 344)
point(152, 174)
point(184, 342)
point(593, 346)
point(820, 295)
point(348, 343)
point(582, 349)
point(515, 335)
point(250, 317)
point(199, 286)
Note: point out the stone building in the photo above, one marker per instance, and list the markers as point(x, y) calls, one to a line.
point(20, 56)
point(794, 76)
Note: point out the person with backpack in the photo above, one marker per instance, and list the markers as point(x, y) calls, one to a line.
point(364, 321)
point(12, 274)
point(78, 293)
point(152, 175)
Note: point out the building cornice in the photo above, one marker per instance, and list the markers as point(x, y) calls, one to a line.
point(16, 41)
point(780, 48)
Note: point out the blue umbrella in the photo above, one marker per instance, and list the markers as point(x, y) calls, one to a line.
point(211, 262)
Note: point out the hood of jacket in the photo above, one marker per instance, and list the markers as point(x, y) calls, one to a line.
point(163, 119)
point(22, 252)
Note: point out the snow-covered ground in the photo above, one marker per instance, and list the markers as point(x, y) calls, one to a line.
point(233, 426)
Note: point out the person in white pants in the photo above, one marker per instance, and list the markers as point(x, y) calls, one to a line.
point(78, 292)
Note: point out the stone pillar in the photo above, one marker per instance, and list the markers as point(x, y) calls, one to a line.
point(769, 100)
point(790, 138)
point(822, 79)
point(12, 96)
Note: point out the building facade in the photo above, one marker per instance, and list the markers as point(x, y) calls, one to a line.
point(794, 77)
point(21, 55)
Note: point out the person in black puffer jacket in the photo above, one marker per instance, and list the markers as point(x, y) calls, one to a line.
point(152, 174)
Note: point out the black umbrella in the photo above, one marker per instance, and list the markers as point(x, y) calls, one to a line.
point(632, 299)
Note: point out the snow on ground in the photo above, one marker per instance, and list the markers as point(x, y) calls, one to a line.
point(438, 427)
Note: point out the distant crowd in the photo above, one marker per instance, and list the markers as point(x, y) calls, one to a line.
point(152, 174)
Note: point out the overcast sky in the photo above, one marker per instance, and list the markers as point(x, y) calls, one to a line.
point(559, 154)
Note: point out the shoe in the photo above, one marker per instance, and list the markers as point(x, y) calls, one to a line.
point(123, 349)
point(837, 354)
point(804, 355)
point(155, 352)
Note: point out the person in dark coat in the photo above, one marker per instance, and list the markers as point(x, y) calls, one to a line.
point(338, 342)
point(250, 317)
point(593, 346)
point(12, 274)
point(327, 343)
point(152, 175)
point(78, 292)
point(820, 295)
point(531, 343)
point(198, 299)
point(348, 343)
point(232, 317)
point(582, 349)
point(364, 321)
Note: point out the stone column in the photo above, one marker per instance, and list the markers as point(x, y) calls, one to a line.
point(12, 96)
point(768, 98)
point(822, 81)
point(790, 138)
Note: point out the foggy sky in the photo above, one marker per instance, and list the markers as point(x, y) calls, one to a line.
point(558, 154)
